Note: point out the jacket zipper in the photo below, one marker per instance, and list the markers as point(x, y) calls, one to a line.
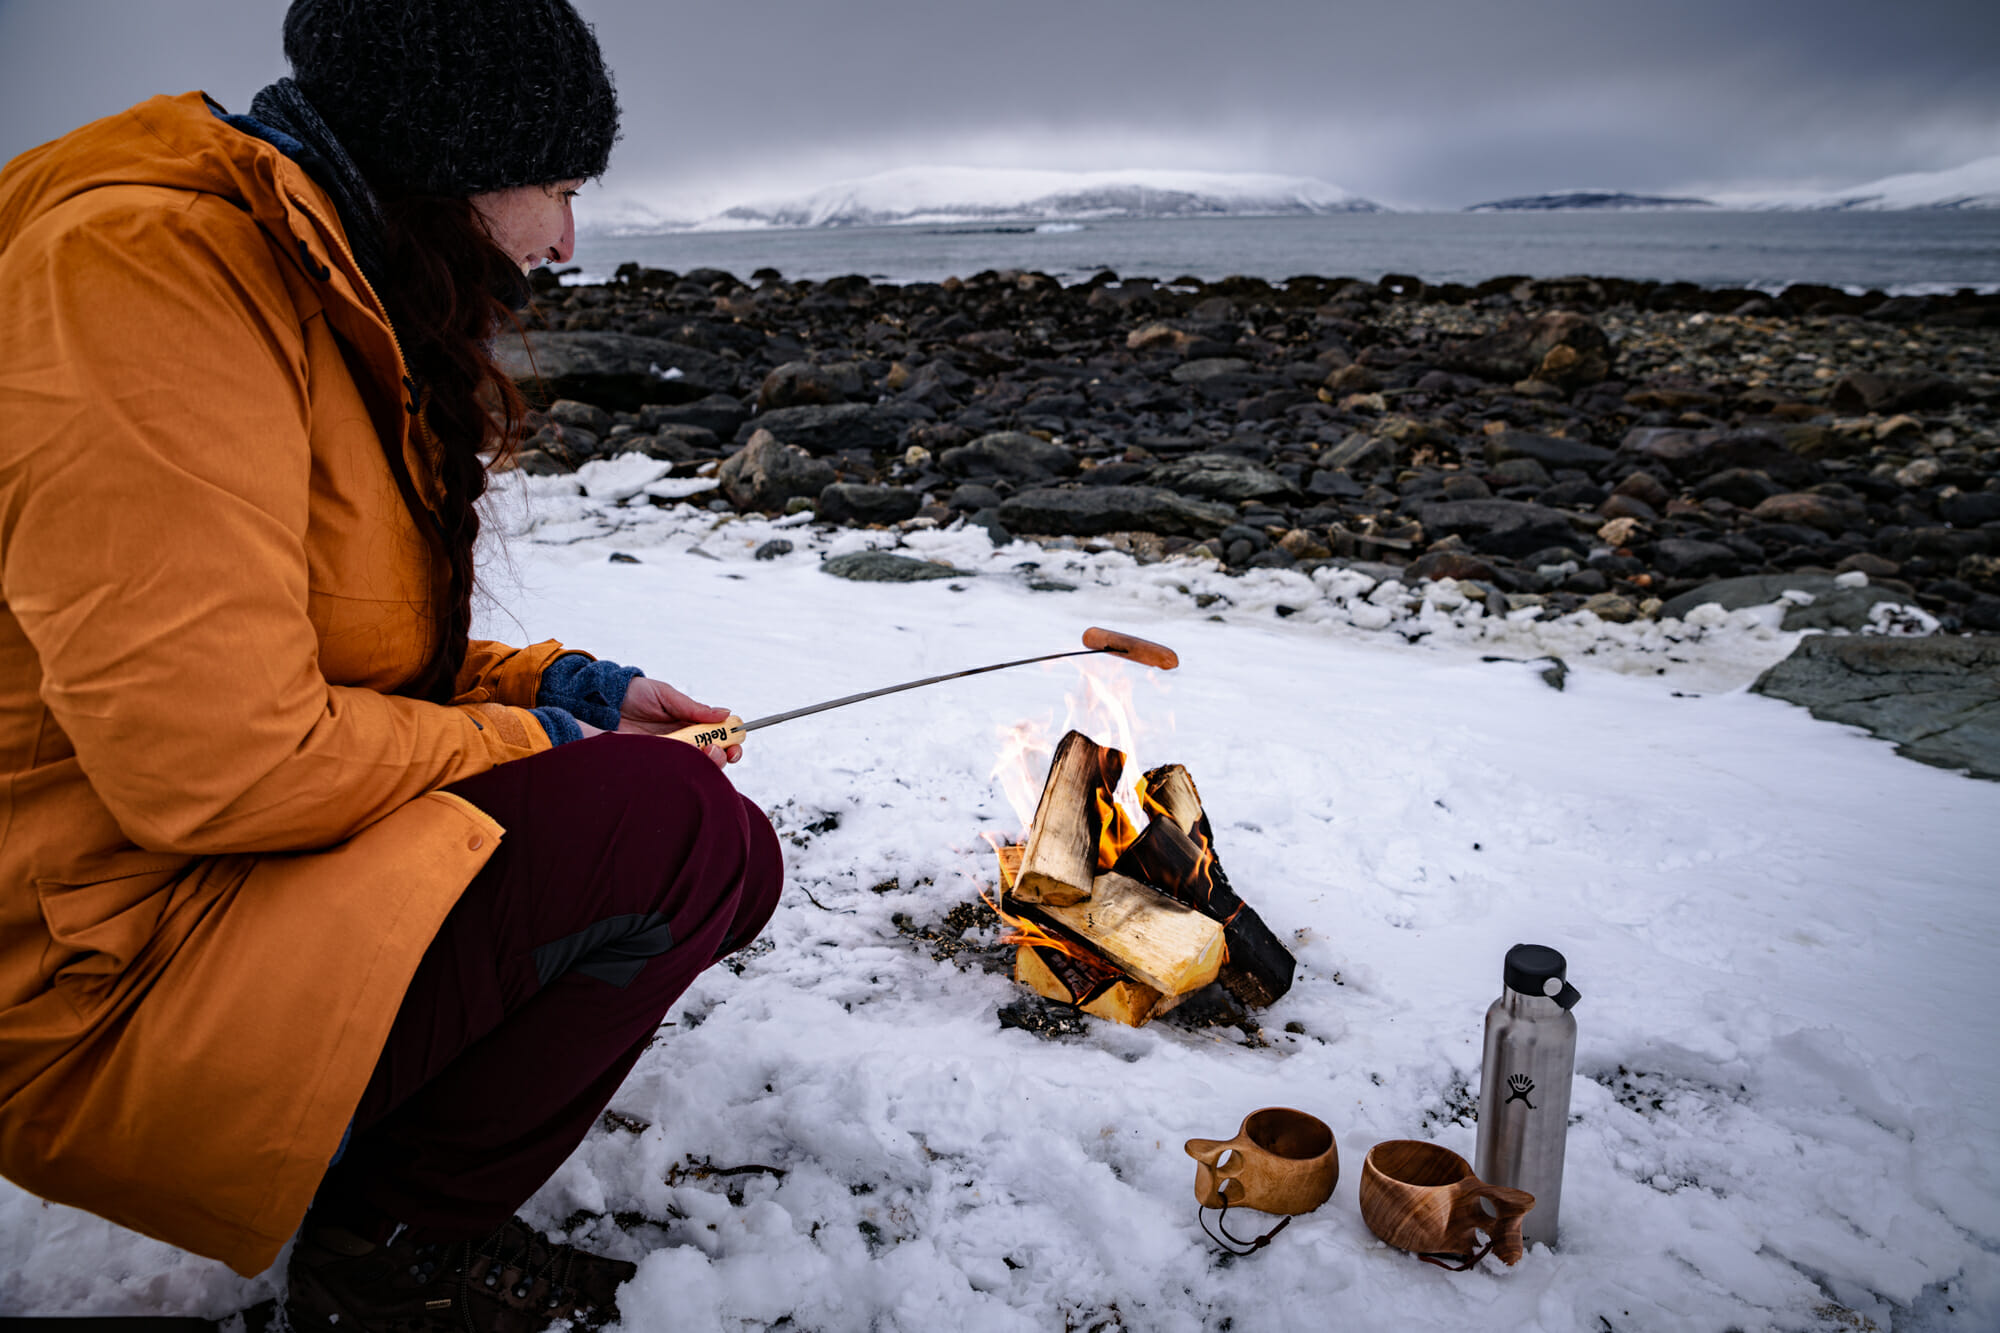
point(354, 266)
point(416, 413)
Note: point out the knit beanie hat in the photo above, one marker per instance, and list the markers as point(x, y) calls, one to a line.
point(456, 97)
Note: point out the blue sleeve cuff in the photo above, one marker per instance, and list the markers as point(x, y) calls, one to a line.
point(562, 728)
point(591, 691)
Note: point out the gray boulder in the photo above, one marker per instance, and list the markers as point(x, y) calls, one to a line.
point(619, 371)
point(1100, 509)
point(1230, 477)
point(1833, 607)
point(1693, 558)
point(1548, 450)
point(848, 502)
point(1499, 527)
point(1224, 379)
point(835, 427)
point(803, 384)
point(766, 473)
point(1697, 453)
point(1562, 347)
point(581, 416)
point(718, 413)
point(1938, 699)
point(1012, 454)
point(883, 567)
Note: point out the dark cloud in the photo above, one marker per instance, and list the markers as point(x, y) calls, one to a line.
point(1428, 104)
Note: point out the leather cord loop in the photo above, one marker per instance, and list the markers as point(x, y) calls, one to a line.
point(1460, 1262)
point(1230, 1242)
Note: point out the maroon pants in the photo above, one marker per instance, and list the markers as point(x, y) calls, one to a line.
point(629, 865)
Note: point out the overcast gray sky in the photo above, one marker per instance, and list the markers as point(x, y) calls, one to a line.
point(1421, 103)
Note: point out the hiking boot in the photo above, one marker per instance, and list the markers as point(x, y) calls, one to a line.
point(513, 1281)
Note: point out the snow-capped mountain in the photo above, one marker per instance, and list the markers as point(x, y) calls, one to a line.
point(1974, 185)
point(1574, 200)
point(974, 194)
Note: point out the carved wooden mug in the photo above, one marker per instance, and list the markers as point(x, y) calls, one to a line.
point(1423, 1198)
point(1281, 1161)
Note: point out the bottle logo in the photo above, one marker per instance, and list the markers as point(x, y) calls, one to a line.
point(1522, 1086)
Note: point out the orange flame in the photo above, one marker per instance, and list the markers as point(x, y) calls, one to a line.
point(1102, 708)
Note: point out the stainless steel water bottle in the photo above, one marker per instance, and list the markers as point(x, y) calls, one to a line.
point(1524, 1081)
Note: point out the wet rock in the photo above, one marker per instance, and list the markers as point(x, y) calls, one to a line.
point(833, 428)
point(845, 502)
point(885, 567)
point(1224, 379)
point(1012, 455)
point(1433, 565)
point(1549, 450)
point(1522, 347)
point(1862, 391)
point(1627, 508)
point(1095, 510)
point(1612, 607)
point(1818, 511)
point(1833, 606)
point(972, 497)
point(1229, 477)
point(1698, 453)
point(1521, 472)
point(580, 416)
point(1938, 699)
point(1579, 494)
point(1499, 527)
point(1742, 487)
point(719, 414)
point(681, 443)
point(619, 371)
point(1691, 558)
point(803, 384)
point(766, 473)
point(1970, 509)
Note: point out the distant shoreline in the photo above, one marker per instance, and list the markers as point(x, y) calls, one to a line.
point(1896, 253)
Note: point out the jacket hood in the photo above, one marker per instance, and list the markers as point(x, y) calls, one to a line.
point(179, 143)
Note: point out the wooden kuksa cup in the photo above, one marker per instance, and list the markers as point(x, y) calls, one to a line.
point(1281, 1161)
point(1423, 1198)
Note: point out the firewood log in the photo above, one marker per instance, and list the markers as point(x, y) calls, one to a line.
point(1171, 947)
point(1061, 857)
point(1259, 969)
point(1068, 980)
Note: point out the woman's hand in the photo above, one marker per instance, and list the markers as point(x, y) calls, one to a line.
point(654, 708)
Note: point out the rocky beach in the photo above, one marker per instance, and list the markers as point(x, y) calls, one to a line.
point(1538, 448)
point(1572, 444)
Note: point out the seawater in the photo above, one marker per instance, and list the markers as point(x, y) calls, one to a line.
point(1900, 252)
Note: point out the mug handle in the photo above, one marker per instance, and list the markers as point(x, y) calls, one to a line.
point(1209, 1151)
point(1505, 1229)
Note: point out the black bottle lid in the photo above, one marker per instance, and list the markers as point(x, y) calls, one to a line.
point(1536, 969)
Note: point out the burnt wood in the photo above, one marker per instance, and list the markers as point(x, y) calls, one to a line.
point(1260, 968)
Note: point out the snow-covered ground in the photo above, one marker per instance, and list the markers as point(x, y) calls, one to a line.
point(1785, 935)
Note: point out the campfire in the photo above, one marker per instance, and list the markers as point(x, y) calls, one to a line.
point(1116, 901)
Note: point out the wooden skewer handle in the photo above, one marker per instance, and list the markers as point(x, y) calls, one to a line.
point(722, 734)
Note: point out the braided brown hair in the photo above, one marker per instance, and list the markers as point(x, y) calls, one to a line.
point(443, 273)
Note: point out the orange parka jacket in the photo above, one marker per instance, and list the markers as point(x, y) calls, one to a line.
point(222, 845)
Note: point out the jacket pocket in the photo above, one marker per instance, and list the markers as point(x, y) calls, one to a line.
point(102, 926)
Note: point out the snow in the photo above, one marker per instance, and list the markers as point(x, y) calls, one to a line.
point(1785, 936)
point(947, 194)
point(1973, 185)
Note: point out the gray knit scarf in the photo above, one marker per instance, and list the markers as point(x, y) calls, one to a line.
point(281, 116)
